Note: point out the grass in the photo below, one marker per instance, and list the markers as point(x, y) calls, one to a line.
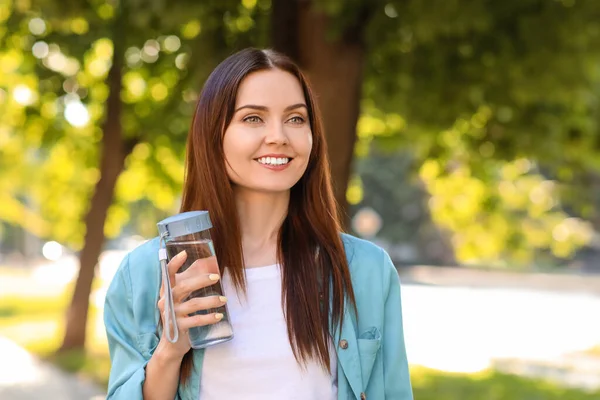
point(95, 366)
point(36, 323)
point(489, 385)
point(42, 336)
point(26, 307)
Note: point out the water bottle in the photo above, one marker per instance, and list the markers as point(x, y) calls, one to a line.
point(190, 231)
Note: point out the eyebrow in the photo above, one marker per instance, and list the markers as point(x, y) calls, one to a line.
point(263, 108)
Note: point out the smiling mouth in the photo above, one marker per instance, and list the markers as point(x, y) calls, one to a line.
point(274, 161)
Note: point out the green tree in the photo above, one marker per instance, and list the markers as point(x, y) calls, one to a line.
point(104, 90)
point(125, 77)
point(473, 86)
point(499, 103)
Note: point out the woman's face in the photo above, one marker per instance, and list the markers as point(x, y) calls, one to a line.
point(268, 142)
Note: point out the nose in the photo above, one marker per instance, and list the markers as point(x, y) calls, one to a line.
point(276, 134)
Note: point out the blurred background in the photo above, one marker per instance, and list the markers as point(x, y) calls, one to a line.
point(463, 135)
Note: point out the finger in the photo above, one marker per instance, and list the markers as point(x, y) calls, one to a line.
point(176, 263)
point(200, 303)
point(173, 266)
point(161, 305)
point(186, 286)
point(185, 323)
point(206, 265)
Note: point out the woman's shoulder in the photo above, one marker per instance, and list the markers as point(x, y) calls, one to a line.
point(361, 247)
point(140, 265)
point(144, 256)
point(366, 259)
point(373, 276)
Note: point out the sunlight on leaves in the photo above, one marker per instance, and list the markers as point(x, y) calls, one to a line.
point(191, 29)
point(509, 213)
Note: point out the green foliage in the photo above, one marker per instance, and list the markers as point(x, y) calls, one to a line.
point(497, 212)
point(55, 57)
point(480, 88)
point(531, 64)
point(473, 87)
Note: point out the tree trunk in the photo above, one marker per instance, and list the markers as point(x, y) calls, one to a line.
point(284, 28)
point(113, 154)
point(334, 67)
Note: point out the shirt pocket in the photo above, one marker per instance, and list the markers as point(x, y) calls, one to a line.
point(369, 343)
point(147, 343)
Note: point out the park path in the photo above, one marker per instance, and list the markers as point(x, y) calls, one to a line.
point(463, 321)
point(24, 377)
point(530, 332)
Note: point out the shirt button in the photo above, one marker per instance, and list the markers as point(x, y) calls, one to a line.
point(363, 396)
point(344, 344)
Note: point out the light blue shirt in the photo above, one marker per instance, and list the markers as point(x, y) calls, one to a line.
point(371, 354)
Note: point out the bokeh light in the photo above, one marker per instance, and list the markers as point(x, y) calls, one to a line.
point(52, 250)
point(37, 26)
point(40, 49)
point(23, 95)
point(76, 114)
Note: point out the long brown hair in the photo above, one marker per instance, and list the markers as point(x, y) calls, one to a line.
point(310, 248)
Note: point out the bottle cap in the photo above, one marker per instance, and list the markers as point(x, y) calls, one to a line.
point(184, 224)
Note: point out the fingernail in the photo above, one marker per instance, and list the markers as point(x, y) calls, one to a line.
point(213, 277)
point(181, 254)
point(223, 299)
point(218, 316)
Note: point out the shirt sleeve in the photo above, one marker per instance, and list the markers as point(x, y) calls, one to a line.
point(128, 363)
point(395, 362)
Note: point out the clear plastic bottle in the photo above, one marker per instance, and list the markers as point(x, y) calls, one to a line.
point(190, 231)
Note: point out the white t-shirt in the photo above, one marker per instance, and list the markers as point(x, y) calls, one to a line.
point(258, 362)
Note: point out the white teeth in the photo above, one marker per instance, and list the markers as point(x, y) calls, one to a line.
point(273, 160)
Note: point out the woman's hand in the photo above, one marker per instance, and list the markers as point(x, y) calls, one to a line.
point(199, 275)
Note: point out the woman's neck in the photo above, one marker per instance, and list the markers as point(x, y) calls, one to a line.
point(261, 215)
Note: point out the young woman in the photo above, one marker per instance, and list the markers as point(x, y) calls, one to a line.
point(316, 313)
